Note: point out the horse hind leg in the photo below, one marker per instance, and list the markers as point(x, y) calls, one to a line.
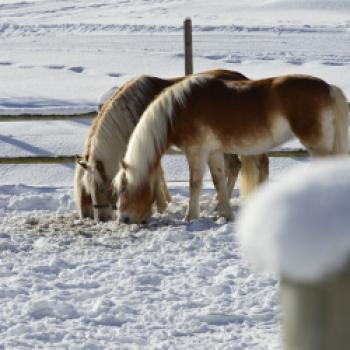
point(232, 167)
point(196, 162)
point(217, 166)
point(264, 169)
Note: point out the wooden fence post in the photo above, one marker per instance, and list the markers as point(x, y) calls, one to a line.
point(317, 316)
point(306, 241)
point(188, 46)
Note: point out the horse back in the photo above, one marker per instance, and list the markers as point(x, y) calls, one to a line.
point(228, 108)
point(248, 109)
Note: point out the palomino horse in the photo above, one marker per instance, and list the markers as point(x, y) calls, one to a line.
point(205, 117)
point(107, 140)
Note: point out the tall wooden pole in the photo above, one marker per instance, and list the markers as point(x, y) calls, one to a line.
point(188, 46)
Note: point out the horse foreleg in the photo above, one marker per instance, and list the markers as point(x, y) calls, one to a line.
point(165, 189)
point(263, 168)
point(82, 199)
point(217, 166)
point(85, 209)
point(162, 193)
point(196, 162)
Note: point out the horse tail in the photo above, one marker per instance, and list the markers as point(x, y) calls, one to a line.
point(341, 127)
point(254, 170)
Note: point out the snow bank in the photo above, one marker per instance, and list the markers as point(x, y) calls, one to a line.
point(8, 29)
point(15, 199)
point(300, 227)
point(87, 16)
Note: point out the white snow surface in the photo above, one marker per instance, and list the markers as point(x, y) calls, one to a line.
point(71, 284)
point(299, 227)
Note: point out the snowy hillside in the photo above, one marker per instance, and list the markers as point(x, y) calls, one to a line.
point(164, 15)
point(71, 284)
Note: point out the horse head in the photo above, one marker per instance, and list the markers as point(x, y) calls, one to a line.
point(135, 200)
point(100, 189)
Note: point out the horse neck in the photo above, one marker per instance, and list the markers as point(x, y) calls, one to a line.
point(148, 143)
point(108, 145)
point(151, 137)
point(117, 122)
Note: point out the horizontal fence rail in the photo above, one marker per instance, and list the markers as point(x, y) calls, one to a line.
point(39, 117)
point(64, 159)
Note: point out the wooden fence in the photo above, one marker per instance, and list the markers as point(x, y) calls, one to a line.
point(61, 159)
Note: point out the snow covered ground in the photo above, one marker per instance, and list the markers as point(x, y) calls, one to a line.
point(71, 284)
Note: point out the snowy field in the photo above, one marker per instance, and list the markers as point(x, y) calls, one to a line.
point(71, 284)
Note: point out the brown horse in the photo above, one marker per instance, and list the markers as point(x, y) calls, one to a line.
point(206, 117)
point(108, 138)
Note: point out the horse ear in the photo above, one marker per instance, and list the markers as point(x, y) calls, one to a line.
point(124, 180)
point(123, 164)
point(124, 184)
point(82, 163)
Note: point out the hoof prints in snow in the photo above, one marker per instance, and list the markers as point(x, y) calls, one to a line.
point(52, 308)
point(169, 285)
point(115, 75)
point(220, 320)
point(77, 69)
point(55, 66)
point(333, 63)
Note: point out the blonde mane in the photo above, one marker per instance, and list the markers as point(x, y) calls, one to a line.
point(109, 136)
point(149, 139)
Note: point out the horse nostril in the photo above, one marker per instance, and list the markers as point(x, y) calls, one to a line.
point(126, 220)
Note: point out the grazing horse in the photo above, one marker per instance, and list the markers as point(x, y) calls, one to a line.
point(206, 117)
point(107, 141)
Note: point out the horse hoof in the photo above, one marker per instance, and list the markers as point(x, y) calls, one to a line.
point(225, 211)
point(229, 218)
point(191, 216)
point(161, 208)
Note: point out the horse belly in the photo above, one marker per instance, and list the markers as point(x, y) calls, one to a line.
point(281, 131)
point(269, 138)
